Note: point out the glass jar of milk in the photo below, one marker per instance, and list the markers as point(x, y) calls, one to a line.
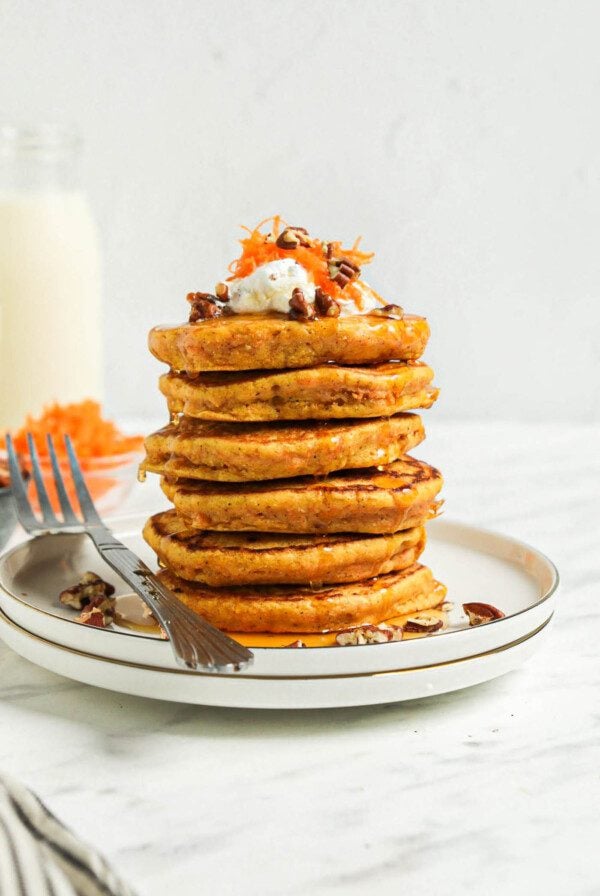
point(50, 290)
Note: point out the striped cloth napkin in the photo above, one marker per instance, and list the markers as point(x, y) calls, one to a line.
point(39, 856)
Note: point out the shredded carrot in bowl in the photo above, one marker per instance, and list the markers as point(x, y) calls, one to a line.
point(92, 436)
point(102, 449)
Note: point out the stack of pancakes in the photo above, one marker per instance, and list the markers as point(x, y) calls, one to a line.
point(296, 506)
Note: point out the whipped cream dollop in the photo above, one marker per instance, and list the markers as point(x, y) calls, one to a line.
point(270, 287)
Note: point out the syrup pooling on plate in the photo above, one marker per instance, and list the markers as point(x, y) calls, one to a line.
point(131, 615)
point(327, 639)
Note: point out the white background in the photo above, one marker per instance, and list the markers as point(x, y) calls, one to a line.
point(462, 140)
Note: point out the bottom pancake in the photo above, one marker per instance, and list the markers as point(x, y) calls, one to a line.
point(298, 609)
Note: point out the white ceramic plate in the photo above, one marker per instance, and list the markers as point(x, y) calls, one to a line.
point(272, 692)
point(474, 564)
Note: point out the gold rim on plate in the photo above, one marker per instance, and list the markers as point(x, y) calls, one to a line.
point(6, 620)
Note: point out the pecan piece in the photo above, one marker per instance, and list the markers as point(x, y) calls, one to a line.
point(299, 307)
point(348, 267)
point(394, 311)
point(99, 612)
point(89, 588)
point(204, 305)
point(296, 644)
point(194, 297)
point(94, 617)
point(422, 623)
point(222, 292)
point(342, 271)
point(292, 237)
point(99, 615)
point(368, 634)
point(480, 613)
point(325, 305)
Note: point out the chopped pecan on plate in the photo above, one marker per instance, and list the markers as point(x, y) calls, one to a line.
point(422, 624)
point(368, 634)
point(93, 597)
point(99, 612)
point(89, 588)
point(479, 613)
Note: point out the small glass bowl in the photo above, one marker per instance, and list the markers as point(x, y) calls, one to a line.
point(109, 481)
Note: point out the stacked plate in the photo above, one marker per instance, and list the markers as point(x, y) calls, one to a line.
point(477, 566)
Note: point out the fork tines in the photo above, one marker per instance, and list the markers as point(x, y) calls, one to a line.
point(49, 520)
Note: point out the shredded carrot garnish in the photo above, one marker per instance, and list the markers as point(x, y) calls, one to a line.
point(260, 247)
point(92, 436)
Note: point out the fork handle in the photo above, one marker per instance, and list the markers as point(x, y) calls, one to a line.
point(196, 643)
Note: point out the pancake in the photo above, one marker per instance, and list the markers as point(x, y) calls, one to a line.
point(293, 609)
point(253, 342)
point(261, 558)
point(238, 452)
point(313, 393)
point(377, 500)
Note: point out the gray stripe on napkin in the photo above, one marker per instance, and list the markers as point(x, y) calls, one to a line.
point(38, 854)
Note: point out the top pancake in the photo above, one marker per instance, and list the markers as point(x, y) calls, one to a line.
point(253, 342)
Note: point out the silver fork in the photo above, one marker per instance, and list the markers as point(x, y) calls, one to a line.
point(196, 644)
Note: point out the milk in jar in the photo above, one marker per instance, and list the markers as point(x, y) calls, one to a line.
point(50, 278)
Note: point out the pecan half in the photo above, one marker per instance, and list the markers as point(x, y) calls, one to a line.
point(300, 309)
point(90, 588)
point(368, 634)
point(325, 305)
point(292, 237)
point(394, 311)
point(204, 305)
point(422, 624)
point(480, 613)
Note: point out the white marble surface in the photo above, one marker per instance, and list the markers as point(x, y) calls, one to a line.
point(493, 790)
